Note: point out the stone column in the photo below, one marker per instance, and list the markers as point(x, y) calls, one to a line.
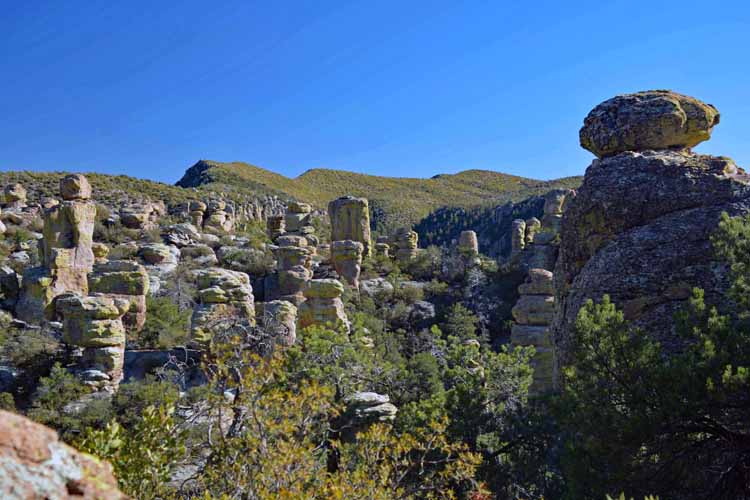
point(323, 305)
point(347, 260)
point(350, 220)
point(406, 242)
point(224, 298)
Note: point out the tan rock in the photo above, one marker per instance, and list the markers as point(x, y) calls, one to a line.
point(350, 220)
point(35, 464)
point(654, 119)
point(75, 187)
point(280, 317)
point(323, 305)
point(468, 244)
point(347, 260)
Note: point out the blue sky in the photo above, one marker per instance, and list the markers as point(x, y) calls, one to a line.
point(394, 88)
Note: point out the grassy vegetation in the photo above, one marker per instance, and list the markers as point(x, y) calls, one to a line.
point(395, 200)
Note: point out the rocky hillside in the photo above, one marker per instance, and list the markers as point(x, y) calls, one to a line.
point(395, 201)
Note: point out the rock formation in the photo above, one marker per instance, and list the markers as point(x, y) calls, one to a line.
point(468, 244)
point(406, 243)
point(217, 217)
point(639, 228)
point(347, 260)
point(654, 119)
point(126, 280)
point(15, 196)
point(65, 250)
point(350, 220)
point(142, 215)
point(280, 318)
point(297, 215)
point(94, 324)
point(294, 271)
point(35, 464)
point(533, 315)
point(383, 250)
point(224, 298)
point(323, 305)
point(518, 237)
point(197, 210)
point(275, 226)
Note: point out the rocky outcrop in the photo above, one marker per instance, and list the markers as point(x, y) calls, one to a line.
point(533, 315)
point(280, 318)
point(182, 235)
point(218, 217)
point(518, 237)
point(639, 229)
point(15, 196)
point(323, 305)
point(94, 324)
point(143, 215)
point(406, 243)
point(383, 250)
point(654, 119)
point(35, 464)
point(196, 212)
point(350, 220)
point(368, 407)
point(294, 271)
point(275, 226)
point(126, 280)
point(225, 298)
point(346, 257)
point(65, 250)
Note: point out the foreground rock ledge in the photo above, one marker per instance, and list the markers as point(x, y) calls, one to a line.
point(34, 464)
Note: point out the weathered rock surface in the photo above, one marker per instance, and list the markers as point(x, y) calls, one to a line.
point(468, 244)
point(323, 305)
point(347, 260)
point(123, 279)
point(654, 119)
point(224, 297)
point(15, 196)
point(639, 230)
point(350, 220)
point(280, 317)
point(406, 243)
point(35, 464)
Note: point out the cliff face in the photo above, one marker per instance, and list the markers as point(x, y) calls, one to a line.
point(639, 230)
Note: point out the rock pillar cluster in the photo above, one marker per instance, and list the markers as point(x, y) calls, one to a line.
point(350, 220)
point(323, 305)
point(224, 298)
point(217, 217)
point(347, 260)
point(94, 324)
point(639, 229)
point(65, 250)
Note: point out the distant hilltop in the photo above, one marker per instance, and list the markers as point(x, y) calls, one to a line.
point(395, 201)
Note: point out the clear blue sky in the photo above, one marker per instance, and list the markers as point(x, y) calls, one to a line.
point(402, 88)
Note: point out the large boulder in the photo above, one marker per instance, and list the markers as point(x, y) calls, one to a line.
point(654, 119)
point(323, 305)
point(225, 298)
point(35, 464)
point(639, 231)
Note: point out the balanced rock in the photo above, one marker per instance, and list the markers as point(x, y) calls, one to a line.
point(350, 220)
point(654, 119)
point(639, 230)
point(406, 242)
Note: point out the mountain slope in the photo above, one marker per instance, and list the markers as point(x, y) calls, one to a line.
point(395, 200)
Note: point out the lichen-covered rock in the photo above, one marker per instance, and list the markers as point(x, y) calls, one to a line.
point(382, 250)
point(323, 305)
point(100, 251)
point(540, 283)
point(376, 287)
point(518, 237)
point(371, 407)
point(468, 244)
point(95, 324)
point(182, 235)
point(224, 298)
point(280, 317)
point(275, 226)
point(347, 260)
point(534, 309)
point(350, 220)
point(15, 196)
point(406, 242)
point(654, 119)
point(35, 464)
point(533, 226)
point(66, 251)
point(127, 280)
